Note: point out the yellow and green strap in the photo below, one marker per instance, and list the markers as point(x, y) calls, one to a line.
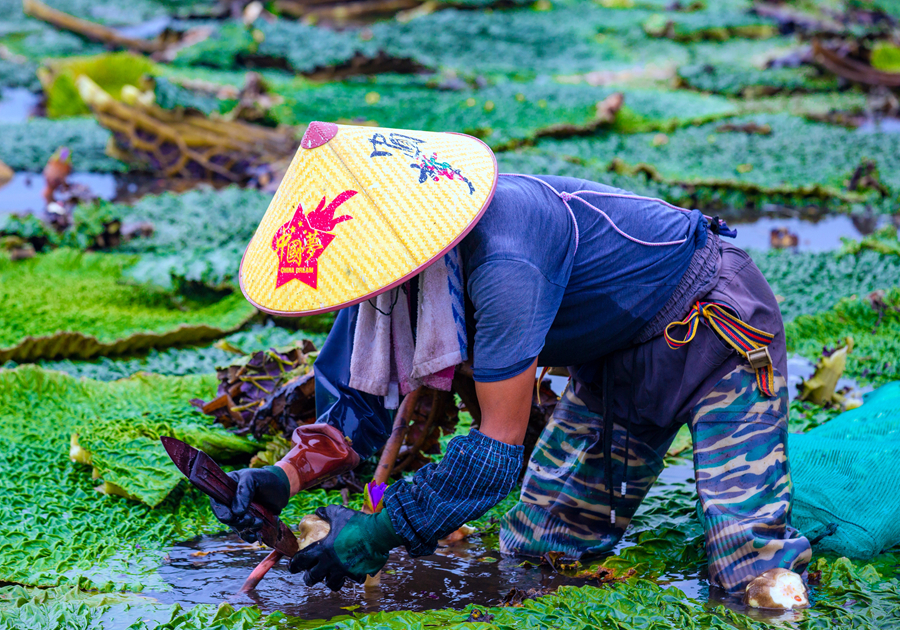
point(750, 342)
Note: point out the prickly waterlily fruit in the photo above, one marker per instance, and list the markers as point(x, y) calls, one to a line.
point(311, 529)
point(777, 589)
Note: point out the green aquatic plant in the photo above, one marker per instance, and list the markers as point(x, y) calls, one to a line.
point(762, 164)
point(732, 80)
point(36, 40)
point(307, 48)
point(744, 67)
point(301, 47)
point(198, 236)
point(72, 304)
point(805, 416)
point(883, 241)
point(13, 75)
point(719, 21)
point(504, 115)
point(189, 360)
point(854, 595)
point(222, 49)
point(886, 57)
point(26, 146)
point(813, 282)
point(125, 452)
point(169, 95)
point(110, 71)
point(872, 322)
point(54, 528)
point(519, 42)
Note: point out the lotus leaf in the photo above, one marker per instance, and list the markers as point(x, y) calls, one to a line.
point(183, 361)
point(221, 50)
point(301, 47)
point(170, 95)
point(27, 146)
point(518, 42)
point(886, 57)
point(774, 164)
point(883, 241)
point(54, 528)
point(72, 304)
point(14, 74)
point(198, 236)
point(874, 326)
point(503, 115)
point(749, 68)
point(34, 39)
point(309, 48)
point(812, 282)
point(749, 82)
point(720, 21)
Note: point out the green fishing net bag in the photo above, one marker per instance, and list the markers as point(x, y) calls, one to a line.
point(847, 478)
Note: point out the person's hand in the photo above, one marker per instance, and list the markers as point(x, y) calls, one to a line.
point(357, 545)
point(269, 487)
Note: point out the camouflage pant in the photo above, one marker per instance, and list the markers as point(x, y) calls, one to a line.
point(743, 482)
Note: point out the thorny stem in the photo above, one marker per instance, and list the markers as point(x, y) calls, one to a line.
point(255, 403)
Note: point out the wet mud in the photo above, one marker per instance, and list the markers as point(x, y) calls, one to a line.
point(211, 569)
point(459, 574)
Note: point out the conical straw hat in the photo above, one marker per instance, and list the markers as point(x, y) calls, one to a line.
point(360, 210)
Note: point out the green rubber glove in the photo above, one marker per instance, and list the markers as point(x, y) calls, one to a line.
point(357, 545)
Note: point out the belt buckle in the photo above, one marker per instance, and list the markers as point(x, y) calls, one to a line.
point(759, 358)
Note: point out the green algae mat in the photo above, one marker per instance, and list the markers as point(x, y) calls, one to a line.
point(72, 304)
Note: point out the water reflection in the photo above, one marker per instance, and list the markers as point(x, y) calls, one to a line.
point(813, 236)
point(24, 192)
point(17, 104)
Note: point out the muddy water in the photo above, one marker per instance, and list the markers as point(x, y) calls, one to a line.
point(210, 570)
point(463, 573)
point(17, 104)
point(24, 193)
point(813, 236)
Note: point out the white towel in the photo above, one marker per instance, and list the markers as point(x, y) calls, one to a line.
point(387, 361)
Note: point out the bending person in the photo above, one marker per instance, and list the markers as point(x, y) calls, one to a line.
point(660, 323)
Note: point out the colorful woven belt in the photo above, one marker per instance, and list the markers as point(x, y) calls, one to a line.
point(750, 342)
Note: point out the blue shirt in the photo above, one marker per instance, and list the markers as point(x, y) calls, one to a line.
point(533, 295)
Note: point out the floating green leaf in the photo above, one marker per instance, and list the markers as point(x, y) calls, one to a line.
point(27, 146)
point(198, 236)
point(811, 282)
point(14, 74)
point(71, 304)
point(503, 115)
point(777, 163)
point(54, 528)
point(719, 21)
point(184, 361)
point(874, 327)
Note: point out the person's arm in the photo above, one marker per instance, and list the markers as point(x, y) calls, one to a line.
point(506, 406)
point(478, 471)
point(350, 425)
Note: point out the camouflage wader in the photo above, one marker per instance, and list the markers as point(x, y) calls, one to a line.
point(740, 460)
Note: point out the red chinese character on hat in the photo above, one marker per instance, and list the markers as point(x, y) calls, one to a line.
point(299, 242)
